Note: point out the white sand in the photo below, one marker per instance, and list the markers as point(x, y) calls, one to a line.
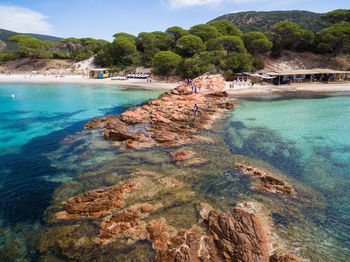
point(273, 89)
point(79, 79)
point(236, 91)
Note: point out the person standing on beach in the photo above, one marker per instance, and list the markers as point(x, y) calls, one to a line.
point(195, 89)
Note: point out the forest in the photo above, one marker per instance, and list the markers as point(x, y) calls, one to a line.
point(216, 47)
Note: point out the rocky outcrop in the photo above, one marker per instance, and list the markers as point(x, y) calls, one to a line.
point(268, 183)
point(171, 118)
point(125, 224)
point(239, 236)
point(233, 236)
point(100, 201)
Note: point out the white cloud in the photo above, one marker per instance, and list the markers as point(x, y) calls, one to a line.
point(23, 20)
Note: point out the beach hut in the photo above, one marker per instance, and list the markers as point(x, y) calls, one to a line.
point(319, 75)
point(99, 73)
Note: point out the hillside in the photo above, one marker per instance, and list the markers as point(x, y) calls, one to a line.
point(261, 21)
point(6, 46)
point(294, 61)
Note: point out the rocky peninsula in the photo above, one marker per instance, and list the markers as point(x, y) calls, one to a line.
point(141, 208)
point(169, 120)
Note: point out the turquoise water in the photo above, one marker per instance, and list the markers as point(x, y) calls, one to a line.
point(42, 146)
point(33, 124)
point(38, 110)
point(307, 137)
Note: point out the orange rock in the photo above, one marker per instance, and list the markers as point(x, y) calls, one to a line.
point(239, 235)
point(98, 202)
point(182, 155)
point(268, 183)
point(169, 119)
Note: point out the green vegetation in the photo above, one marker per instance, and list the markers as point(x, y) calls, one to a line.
point(262, 21)
point(216, 47)
point(336, 16)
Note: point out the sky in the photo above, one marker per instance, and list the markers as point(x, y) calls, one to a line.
point(101, 19)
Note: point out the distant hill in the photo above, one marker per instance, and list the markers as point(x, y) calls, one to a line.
point(261, 21)
point(6, 46)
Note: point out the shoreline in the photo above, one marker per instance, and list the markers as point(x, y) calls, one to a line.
point(256, 90)
point(79, 79)
point(266, 90)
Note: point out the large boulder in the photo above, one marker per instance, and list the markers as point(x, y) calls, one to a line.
point(239, 236)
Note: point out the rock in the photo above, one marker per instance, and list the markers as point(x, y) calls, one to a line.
point(268, 183)
point(182, 155)
point(285, 258)
point(239, 236)
point(170, 119)
point(189, 245)
point(101, 201)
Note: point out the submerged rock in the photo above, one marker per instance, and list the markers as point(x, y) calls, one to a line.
point(285, 258)
point(268, 183)
point(182, 155)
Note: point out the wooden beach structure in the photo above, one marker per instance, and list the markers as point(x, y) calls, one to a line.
point(319, 75)
point(99, 73)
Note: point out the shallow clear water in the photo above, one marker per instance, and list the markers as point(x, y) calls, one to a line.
point(46, 157)
point(308, 138)
point(33, 124)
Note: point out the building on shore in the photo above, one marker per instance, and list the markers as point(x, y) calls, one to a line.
point(309, 76)
point(99, 73)
point(293, 77)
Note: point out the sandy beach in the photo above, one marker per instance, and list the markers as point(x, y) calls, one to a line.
point(257, 89)
point(238, 91)
point(79, 79)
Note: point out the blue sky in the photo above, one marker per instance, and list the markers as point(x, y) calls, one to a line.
point(102, 19)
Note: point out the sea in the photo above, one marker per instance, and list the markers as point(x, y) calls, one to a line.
point(44, 151)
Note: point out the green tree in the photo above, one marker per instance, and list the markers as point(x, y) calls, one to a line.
point(163, 41)
point(165, 62)
point(257, 42)
point(204, 31)
point(146, 44)
point(335, 38)
point(29, 45)
point(131, 38)
point(189, 45)
point(225, 27)
point(213, 45)
point(286, 35)
point(176, 32)
point(232, 44)
point(238, 63)
point(336, 16)
point(123, 46)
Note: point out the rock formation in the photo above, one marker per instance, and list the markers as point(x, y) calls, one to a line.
point(233, 236)
point(100, 201)
point(171, 118)
point(268, 183)
point(239, 236)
